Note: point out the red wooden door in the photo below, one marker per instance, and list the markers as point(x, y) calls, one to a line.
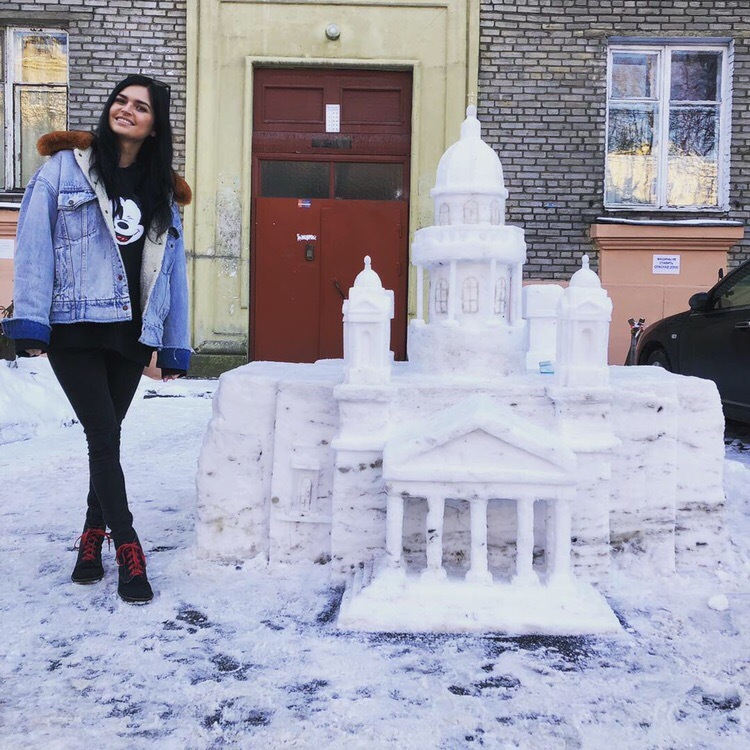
point(350, 231)
point(312, 254)
point(288, 286)
point(322, 201)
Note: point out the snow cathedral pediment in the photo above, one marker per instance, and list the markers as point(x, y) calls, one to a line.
point(367, 305)
point(588, 307)
point(476, 440)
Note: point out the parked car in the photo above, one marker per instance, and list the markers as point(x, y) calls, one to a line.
point(710, 340)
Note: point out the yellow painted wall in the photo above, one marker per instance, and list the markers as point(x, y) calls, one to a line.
point(226, 40)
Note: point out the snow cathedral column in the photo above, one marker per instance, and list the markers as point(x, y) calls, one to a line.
point(394, 530)
point(479, 571)
point(420, 294)
point(525, 542)
point(558, 562)
point(452, 291)
point(434, 537)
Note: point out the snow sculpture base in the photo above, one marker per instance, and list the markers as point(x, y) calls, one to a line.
point(489, 350)
point(396, 602)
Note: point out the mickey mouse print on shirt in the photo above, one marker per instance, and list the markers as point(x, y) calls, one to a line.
point(127, 217)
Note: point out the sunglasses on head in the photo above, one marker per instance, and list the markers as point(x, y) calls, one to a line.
point(156, 83)
point(161, 85)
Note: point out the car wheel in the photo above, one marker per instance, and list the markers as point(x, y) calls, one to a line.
point(659, 358)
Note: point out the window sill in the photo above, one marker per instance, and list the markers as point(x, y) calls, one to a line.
point(11, 199)
point(669, 209)
point(670, 222)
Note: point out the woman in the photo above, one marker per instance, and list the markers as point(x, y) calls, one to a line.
point(100, 283)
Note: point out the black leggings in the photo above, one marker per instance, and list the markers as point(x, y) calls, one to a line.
point(100, 386)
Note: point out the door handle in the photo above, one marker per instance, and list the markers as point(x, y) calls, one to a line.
point(309, 251)
point(340, 290)
point(742, 324)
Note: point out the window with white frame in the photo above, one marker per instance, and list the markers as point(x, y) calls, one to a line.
point(668, 126)
point(34, 101)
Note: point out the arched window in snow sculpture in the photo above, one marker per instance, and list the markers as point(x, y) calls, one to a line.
point(586, 348)
point(501, 297)
point(471, 212)
point(304, 494)
point(441, 297)
point(444, 217)
point(364, 355)
point(495, 218)
point(470, 296)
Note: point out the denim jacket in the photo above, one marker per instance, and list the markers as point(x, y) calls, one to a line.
point(68, 266)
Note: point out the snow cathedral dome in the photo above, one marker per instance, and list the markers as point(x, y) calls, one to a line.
point(367, 277)
point(584, 277)
point(470, 165)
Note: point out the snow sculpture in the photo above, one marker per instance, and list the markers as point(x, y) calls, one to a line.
point(466, 490)
point(540, 311)
point(474, 263)
point(584, 313)
point(367, 330)
point(491, 443)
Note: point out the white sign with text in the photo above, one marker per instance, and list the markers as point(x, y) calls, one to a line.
point(333, 118)
point(669, 264)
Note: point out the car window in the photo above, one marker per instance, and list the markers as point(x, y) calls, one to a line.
point(736, 293)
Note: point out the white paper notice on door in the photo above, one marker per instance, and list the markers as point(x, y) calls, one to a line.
point(666, 264)
point(333, 118)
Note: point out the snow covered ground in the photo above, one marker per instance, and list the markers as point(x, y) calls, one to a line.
point(227, 656)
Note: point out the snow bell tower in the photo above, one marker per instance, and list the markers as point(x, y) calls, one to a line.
point(367, 330)
point(474, 264)
point(584, 314)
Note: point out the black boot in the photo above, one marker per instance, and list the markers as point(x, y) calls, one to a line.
point(89, 568)
point(134, 586)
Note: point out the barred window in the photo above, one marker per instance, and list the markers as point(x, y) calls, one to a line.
point(34, 75)
point(667, 126)
point(441, 297)
point(470, 296)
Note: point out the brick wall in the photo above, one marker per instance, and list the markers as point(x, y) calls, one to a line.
point(542, 100)
point(109, 39)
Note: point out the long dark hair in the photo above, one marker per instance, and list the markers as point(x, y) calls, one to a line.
point(154, 158)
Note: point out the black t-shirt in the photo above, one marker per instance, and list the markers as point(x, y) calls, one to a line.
point(131, 219)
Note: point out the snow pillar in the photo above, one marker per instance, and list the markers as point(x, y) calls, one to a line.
point(550, 537)
point(420, 293)
point(434, 537)
point(490, 296)
point(452, 291)
point(525, 542)
point(516, 286)
point(479, 571)
point(558, 557)
point(394, 530)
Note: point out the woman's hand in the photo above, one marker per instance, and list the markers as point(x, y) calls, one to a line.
point(33, 352)
point(165, 378)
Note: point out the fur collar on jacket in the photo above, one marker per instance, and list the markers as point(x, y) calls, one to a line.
point(62, 140)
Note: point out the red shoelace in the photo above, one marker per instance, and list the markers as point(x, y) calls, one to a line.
point(91, 542)
point(131, 556)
